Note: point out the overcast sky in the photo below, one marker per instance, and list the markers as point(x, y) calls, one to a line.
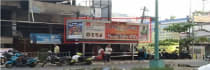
point(167, 8)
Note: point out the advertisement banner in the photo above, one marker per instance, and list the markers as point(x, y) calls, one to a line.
point(122, 31)
point(74, 29)
point(94, 30)
point(39, 38)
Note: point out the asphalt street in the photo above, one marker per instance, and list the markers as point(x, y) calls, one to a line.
point(124, 65)
point(76, 67)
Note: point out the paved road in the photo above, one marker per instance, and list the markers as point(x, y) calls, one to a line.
point(87, 67)
point(126, 65)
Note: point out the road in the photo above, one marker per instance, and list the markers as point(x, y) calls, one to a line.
point(86, 67)
point(122, 65)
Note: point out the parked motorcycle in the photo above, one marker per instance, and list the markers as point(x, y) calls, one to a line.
point(5, 57)
point(21, 60)
point(185, 55)
point(54, 59)
point(78, 59)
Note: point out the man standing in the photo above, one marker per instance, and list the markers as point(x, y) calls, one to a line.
point(57, 50)
point(108, 51)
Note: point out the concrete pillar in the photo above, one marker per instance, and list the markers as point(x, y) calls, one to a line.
point(14, 28)
point(83, 49)
point(132, 51)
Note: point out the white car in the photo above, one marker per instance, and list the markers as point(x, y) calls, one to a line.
point(204, 67)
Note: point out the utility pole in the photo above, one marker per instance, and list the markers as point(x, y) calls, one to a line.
point(143, 14)
point(156, 63)
point(156, 32)
point(203, 9)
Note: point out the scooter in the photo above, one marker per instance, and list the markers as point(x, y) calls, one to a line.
point(21, 60)
point(53, 59)
point(6, 56)
point(81, 60)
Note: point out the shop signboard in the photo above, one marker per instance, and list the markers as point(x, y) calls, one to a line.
point(94, 30)
point(74, 29)
point(204, 19)
point(41, 38)
point(122, 31)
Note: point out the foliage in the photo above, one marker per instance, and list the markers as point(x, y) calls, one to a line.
point(181, 27)
point(184, 43)
point(201, 39)
point(178, 27)
point(166, 42)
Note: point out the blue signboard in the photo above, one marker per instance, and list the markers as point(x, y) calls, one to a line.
point(40, 38)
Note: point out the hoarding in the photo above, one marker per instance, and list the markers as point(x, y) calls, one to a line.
point(74, 29)
point(97, 30)
point(40, 38)
point(122, 31)
point(94, 30)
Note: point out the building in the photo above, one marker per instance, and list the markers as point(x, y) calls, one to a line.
point(201, 30)
point(21, 19)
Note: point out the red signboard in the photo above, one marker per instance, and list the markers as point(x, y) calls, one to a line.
point(122, 31)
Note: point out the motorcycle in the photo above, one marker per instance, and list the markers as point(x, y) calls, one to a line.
point(81, 60)
point(53, 59)
point(5, 57)
point(21, 60)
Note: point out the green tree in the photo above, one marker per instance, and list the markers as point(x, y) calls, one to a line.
point(178, 27)
point(201, 39)
point(181, 27)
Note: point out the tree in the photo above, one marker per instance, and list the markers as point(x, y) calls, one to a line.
point(201, 39)
point(178, 27)
point(181, 27)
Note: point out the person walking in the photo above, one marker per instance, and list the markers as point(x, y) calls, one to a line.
point(108, 51)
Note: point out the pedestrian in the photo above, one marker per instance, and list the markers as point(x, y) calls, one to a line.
point(144, 52)
point(100, 54)
point(57, 50)
point(108, 51)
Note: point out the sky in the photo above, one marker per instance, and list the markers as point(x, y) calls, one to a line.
point(167, 8)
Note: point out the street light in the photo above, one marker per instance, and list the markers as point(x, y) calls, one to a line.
point(156, 63)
